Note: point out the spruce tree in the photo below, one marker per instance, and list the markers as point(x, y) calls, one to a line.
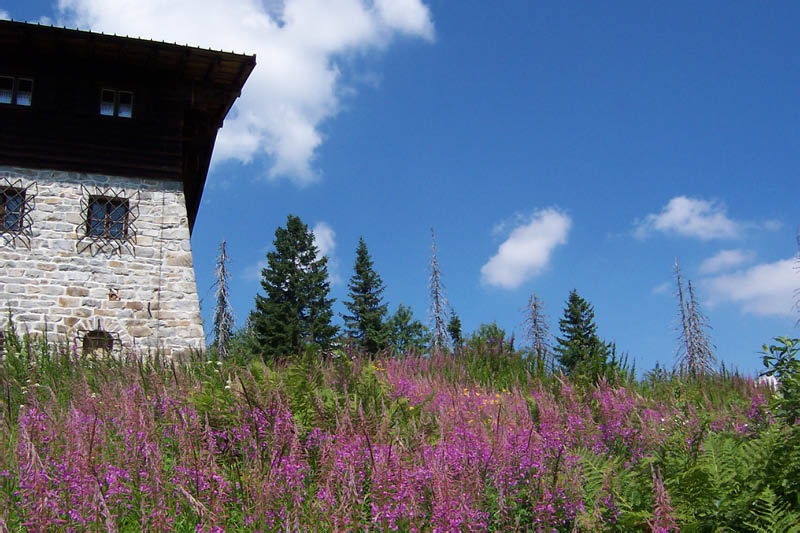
point(454, 329)
point(580, 344)
point(405, 332)
point(365, 321)
point(296, 308)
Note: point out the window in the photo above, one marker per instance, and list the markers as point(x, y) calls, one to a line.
point(16, 91)
point(115, 103)
point(12, 204)
point(96, 341)
point(107, 217)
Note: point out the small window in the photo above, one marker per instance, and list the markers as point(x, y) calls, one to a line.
point(107, 218)
point(16, 91)
point(12, 203)
point(96, 341)
point(115, 103)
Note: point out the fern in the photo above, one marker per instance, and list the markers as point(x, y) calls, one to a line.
point(628, 489)
point(769, 515)
point(303, 379)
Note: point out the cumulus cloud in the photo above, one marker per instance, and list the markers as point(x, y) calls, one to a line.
point(325, 240)
point(4, 15)
point(661, 288)
point(725, 260)
point(528, 249)
point(297, 83)
point(690, 217)
point(764, 289)
point(253, 272)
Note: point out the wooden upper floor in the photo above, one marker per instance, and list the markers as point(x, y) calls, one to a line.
point(90, 102)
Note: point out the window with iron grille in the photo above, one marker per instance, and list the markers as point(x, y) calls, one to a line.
point(107, 217)
point(115, 103)
point(97, 341)
point(16, 91)
point(12, 209)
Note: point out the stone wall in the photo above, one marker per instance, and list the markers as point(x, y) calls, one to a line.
point(140, 289)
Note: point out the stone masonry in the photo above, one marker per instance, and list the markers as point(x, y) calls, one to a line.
point(141, 290)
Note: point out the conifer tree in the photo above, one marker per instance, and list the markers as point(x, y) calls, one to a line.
point(296, 308)
point(580, 343)
point(454, 329)
point(405, 332)
point(223, 313)
point(367, 311)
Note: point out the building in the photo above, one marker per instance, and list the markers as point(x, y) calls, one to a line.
point(105, 143)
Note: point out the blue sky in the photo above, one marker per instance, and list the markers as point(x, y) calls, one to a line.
point(551, 145)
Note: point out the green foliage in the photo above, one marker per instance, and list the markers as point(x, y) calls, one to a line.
point(783, 362)
point(304, 382)
point(606, 480)
point(580, 349)
point(454, 330)
point(718, 473)
point(405, 333)
point(768, 515)
point(490, 338)
point(296, 308)
point(365, 321)
point(492, 361)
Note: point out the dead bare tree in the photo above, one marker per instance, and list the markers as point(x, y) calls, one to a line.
point(699, 326)
point(223, 312)
point(536, 329)
point(439, 307)
point(695, 354)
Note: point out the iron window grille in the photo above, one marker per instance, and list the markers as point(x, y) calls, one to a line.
point(107, 217)
point(115, 103)
point(16, 91)
point(16, 204)
point(99, 341)
point(109, 220)
point(12, 201)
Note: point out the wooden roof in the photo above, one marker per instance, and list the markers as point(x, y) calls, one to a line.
point(211, 82)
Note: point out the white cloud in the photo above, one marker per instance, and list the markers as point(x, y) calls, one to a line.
point(661, 288)
point(4, 15)
point(296, 85)
point(325, 239)
point(765, 289)
point(725, 260)
point(527, 250)
point(253, 272)
point(690, 217)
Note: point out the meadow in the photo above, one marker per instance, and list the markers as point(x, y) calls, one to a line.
point(488, 439)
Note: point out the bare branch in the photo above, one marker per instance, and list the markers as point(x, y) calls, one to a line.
point(695, 353)
point(536, 328)
point(223, 313)
point(439, 307)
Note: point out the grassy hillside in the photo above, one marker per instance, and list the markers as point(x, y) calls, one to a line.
point(487, 440)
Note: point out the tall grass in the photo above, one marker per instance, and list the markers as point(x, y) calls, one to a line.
point(489, 440)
